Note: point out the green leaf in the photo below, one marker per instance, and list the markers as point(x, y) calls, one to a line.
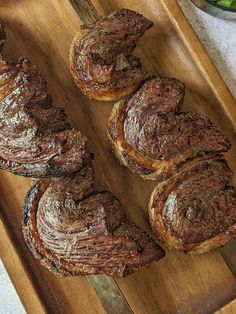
point(225, 3)
point(233, 5)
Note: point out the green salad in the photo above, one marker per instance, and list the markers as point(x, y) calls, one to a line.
point(226, 3)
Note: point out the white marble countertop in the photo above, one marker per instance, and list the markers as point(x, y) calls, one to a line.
point(9, 300)
point(218, 37)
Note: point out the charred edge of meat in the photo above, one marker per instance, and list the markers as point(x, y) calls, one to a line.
point(30, 196)
point(117, 228)
point(105, 73)
point(39, 170)
point(155, 103)
point(2, 36)
point(36, 139)
point(193, 211)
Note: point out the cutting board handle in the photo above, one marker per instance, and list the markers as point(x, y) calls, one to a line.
point(86, 11)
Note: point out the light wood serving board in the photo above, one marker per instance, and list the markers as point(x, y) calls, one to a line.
point(43, 31)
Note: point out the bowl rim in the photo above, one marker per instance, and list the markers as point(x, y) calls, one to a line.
point(220, 6)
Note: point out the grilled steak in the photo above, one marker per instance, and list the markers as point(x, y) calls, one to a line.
point(74, 231)
point(35, 138)
point(152, 138)
point(195, 209)
point(102, 63)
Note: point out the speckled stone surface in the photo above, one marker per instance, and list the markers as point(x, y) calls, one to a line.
point(219, 38)
point(9, 301)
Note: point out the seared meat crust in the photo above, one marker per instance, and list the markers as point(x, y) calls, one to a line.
point(73, 230)
point(102, 63)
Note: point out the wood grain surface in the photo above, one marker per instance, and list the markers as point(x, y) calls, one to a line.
point(86, 12)
point(228, 308)
point(43, 31)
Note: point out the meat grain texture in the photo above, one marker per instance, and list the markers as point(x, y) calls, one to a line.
point(35, 138)
point(193, 208)
point(102, 61)
point(69, 227)
point(73, 230)
point(150, 135)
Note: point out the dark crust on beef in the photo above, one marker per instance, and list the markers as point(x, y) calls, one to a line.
point(36, 139)
point(94, 57)
point(94, 234)
point(33, 170)
point(2, 37)
point(153, 139)
point(195, 209)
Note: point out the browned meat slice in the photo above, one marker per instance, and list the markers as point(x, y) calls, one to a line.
point(74, 231)
point(102, 63)
point(35, 138)
point(195, 210)
point(152, 138)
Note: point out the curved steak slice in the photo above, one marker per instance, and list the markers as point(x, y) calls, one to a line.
point(151, 137)
point(102, 63)
point(74, 231)
point(195, 210)
point(35, 138)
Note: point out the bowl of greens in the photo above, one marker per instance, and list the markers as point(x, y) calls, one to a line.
point(225, 9)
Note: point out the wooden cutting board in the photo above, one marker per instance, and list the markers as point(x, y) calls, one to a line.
point(43, 31)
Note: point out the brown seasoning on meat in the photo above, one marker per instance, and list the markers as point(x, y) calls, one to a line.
point(35, 138)
point(73, 230)
point(102, 63)
point(195, 209)
point(152, 138)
